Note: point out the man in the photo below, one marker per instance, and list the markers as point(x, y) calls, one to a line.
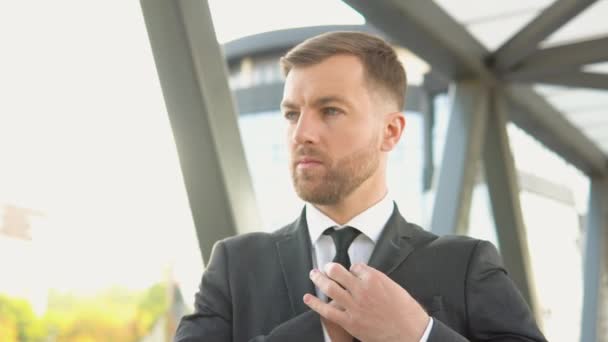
point(391, 280)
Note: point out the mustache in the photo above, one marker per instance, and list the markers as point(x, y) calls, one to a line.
point(309, 152)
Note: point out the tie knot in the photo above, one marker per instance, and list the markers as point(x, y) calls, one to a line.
point(342, 237)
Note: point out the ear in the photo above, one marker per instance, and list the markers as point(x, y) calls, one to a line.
point(393, 126)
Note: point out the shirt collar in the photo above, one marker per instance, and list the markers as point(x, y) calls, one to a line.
point(370, 222)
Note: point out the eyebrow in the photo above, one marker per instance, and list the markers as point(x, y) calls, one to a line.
point(318, 102)
point(328, 99)
point(288, 104)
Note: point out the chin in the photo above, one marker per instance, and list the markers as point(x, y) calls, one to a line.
point(316, 195)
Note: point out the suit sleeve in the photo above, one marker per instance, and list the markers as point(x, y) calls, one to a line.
point(212, 317)
point(496, 311)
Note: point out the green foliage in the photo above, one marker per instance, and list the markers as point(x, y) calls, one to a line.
point(152, 305)
point(18, 321)
point(114, 314)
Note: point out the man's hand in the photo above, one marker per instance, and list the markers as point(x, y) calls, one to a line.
point(336, 333)
point(367, 304)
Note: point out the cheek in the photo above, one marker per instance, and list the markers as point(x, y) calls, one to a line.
point(363, 133)
point(349, 141)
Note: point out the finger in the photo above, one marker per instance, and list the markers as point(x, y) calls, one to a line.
point(326, 310)
point(360, 270)
point(341, 275)
point(370, 276)
point(331, 288)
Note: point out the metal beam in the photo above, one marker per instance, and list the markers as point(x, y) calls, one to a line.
point(428, 115)
point(544, 187)
point(554, 60)
point(429, 32)
point(535, 115)
point(434, 83)
point(193, 77)
point(595, 267)
point(460, 158)
point(578, 79)
point(526, 41)
point(434, 36)
point(260, 98)
point(503, 187)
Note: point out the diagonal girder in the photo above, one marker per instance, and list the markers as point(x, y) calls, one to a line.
point(527, 39)
point(580, 79)
point(503, 187)
point(429, 32)
point(462, 151)
point(554, 60)
point(554, 130)
point(193, 76)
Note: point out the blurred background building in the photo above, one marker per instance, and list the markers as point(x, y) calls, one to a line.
point(129, 149)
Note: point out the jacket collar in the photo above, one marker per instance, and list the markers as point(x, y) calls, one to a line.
point(394, 245)
point(294, 250)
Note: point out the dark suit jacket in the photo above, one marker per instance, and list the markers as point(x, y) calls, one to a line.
point(253, 286)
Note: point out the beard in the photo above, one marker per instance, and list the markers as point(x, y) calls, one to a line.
point(336, 180)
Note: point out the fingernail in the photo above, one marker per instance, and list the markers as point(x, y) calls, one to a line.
point(306, 298)
point(313, 272)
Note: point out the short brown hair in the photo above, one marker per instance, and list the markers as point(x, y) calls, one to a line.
point(379, 59)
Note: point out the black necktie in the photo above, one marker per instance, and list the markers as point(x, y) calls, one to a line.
point(342, 237)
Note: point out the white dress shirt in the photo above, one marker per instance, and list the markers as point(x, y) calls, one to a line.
point(370, 222)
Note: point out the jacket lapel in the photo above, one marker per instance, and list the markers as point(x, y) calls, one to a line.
point(294, 250)
point(394, 244)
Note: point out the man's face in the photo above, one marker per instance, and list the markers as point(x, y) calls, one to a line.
point(333, 131)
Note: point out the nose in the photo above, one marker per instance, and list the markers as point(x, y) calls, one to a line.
point(306, 130)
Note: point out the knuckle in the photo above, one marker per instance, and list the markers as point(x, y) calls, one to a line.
point(332, 270)
point(374, 280)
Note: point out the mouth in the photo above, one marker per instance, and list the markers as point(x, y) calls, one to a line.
point(306, 163)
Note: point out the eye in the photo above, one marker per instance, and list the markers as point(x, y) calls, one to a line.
point(331, 111)
point(291, 116)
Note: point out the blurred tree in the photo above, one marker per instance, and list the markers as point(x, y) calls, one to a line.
point(18, 321)
point(115, 314)
point(8, 329)
point(152, 305)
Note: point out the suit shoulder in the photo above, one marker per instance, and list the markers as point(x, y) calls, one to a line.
point(458, 241)
point(464, 246)
point(247, 241)
point(240, 241)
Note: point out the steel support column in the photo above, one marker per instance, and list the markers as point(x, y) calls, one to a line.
point(503, 187)
point(428, 112)
point(193, 77)
point(595, 267)
point(469, 106)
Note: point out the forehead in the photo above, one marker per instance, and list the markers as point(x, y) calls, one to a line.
point(341, 74)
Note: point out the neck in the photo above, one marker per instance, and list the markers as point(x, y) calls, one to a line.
point(369, 193)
